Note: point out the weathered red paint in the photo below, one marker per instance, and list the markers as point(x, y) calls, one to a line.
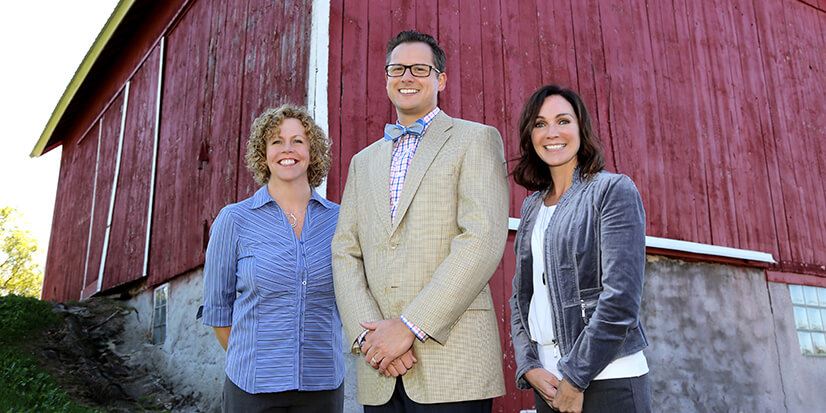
point(681, 96)
point(225, 64)
point(70, 229)
point(125, 253)
point(792, 278)
point(110, 125)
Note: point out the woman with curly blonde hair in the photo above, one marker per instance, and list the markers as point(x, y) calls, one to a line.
point(268, 286)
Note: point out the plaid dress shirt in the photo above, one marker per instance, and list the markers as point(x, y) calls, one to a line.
point(403, 150)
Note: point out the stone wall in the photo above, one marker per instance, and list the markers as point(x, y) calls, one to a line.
point(722, 339)
point(190, 358)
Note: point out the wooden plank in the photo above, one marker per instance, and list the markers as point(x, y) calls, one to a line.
point(804, 28)
point(793, 278)
point(631, 87)
point(402, 16)
point(124, 260)
point(111, 122)
point(748, 152)
point(380, 29)
point(354, 79)
point(779, 70)
point(715, 117)
point(522, 68)
point(470, 61)
point(684, 214)
point(492, 71)
point(70, 222)
point(558, 53)
point(335, 182)
point(427, 16)
point(225, 154)
point(450, 100)
point(177, 231)
point(686, 67)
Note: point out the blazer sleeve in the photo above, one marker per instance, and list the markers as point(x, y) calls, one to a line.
point(622, 243)
point(353, 297)
point(482, 217)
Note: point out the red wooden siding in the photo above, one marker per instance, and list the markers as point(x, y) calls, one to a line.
point(275, 68)
point(110, 133)
point(184, 169)
point(714, 112)
point(70, 231)
point(225, 63)
point(127, 242)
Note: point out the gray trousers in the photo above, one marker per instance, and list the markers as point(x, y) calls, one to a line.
point(609, 396)
point(324, 401)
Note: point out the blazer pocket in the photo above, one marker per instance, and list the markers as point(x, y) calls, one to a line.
point(482, 301)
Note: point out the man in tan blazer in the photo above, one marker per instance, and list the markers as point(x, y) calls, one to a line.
point(422, 227)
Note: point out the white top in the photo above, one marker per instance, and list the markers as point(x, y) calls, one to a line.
point(540, 320)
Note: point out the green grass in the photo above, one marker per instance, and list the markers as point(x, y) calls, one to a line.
point(24, 386)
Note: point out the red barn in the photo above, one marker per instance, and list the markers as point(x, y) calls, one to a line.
point(715, 111)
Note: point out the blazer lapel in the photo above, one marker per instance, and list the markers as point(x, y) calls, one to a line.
point(380, 182)
point(432, 141)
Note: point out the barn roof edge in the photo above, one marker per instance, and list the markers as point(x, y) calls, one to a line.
point(79, 77)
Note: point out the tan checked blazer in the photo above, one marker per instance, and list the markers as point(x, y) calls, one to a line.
point(432, 263)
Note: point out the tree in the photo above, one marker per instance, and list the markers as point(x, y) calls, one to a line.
point(19, 274)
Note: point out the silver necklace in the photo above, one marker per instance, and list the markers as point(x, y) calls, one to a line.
point(292, 218)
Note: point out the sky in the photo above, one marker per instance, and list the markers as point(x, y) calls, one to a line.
point(41, 43)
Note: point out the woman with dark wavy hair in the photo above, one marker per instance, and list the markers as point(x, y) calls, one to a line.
point(580, 266)
point(268, 282)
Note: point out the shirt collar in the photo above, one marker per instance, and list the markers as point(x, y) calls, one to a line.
point(321, 200)
point(426, 119)
point(262, 197)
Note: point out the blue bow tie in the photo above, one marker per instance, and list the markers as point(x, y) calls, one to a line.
point(392, 132)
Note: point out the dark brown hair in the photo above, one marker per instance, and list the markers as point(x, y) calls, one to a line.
point(530, 171)
point(412, 36)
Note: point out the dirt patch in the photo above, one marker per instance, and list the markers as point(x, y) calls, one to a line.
point(81, 354)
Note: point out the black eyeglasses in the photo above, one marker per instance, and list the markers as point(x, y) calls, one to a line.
point(417, 70)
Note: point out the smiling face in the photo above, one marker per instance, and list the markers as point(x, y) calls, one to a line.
point(288, 152)
point(414, 97)
point(555, 134)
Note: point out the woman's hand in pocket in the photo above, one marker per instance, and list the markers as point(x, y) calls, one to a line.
point(544, 382)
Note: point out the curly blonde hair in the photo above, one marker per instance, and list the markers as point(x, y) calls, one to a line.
point(268, 124)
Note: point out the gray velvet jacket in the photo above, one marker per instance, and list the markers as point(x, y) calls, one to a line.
point(595, 262)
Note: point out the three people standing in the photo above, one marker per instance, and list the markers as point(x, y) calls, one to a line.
point(422, 227)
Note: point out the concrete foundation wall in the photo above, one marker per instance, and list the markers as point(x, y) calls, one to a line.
point(722, 339)
point(190, 358)
point(804, 377)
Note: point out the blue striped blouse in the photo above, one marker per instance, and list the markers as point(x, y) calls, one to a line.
point(276, 291)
